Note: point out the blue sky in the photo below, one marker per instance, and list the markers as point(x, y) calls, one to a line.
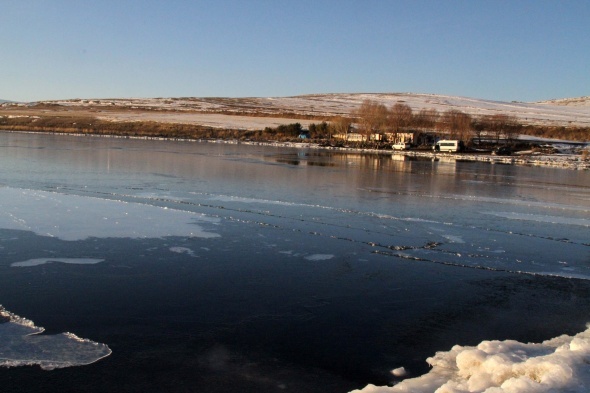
point(524, 50)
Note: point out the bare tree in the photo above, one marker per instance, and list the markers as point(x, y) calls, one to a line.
point(400, 117)
point(501, 125)
point(340, 125)
point(489, 125)
point(478, 131)
point(426, 118)
point(372, 116)
point(456, 123)
point(511, 129)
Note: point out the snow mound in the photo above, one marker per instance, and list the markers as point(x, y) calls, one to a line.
point(556, 365)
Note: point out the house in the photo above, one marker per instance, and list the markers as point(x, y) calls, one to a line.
point(400, 137)
point(351, 136)
point(415, 138)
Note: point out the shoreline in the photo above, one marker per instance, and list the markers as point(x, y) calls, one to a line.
point(561, 161)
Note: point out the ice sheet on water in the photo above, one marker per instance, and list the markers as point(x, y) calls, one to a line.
point(454, 239)
point(43, 261)
point(228, 198)
point(543, 218)
point(319, 257)
point(559, 364)
point(73, 217)
point(183, 250)
point(21, 344)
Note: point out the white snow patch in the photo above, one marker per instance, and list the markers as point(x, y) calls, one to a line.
point(543, 218)
point(319, 257)
point(454, 239)
point(43, 261)
point(183, 250)
point(73, 217)
point(214, 120)
point(229, 198)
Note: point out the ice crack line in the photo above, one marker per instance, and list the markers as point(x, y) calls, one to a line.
point(461, 265)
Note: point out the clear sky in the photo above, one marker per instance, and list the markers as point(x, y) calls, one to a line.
point(524, 50)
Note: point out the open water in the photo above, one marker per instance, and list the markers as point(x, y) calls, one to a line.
point(213, 267)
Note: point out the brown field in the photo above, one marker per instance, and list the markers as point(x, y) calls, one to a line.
point(141, 122)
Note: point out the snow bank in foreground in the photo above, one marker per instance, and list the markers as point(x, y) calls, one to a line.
point(73, 217)
point(561, 364)
point(21, 344)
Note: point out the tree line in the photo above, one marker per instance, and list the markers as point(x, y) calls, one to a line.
point(372, 117)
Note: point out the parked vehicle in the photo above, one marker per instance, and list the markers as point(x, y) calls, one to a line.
point(401, 146)
point(449, 145)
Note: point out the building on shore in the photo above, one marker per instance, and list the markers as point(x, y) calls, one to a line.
point(415, 138)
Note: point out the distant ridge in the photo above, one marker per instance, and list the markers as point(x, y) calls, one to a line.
point(574, 101)
point(567, 111)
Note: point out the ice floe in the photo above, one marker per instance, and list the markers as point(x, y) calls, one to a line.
point(22, 344)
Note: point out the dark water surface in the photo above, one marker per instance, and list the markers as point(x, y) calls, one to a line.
point(326, 271)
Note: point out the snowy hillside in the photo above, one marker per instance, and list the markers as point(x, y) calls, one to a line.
point(578, 101)
point(572, 111)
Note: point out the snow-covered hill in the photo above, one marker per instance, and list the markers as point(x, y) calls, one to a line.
point(577, 101)
point(572, 111)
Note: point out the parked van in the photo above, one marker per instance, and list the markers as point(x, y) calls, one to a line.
point(400, 146)
point(448, 145)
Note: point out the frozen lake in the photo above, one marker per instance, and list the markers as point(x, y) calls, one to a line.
point(235, 268)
